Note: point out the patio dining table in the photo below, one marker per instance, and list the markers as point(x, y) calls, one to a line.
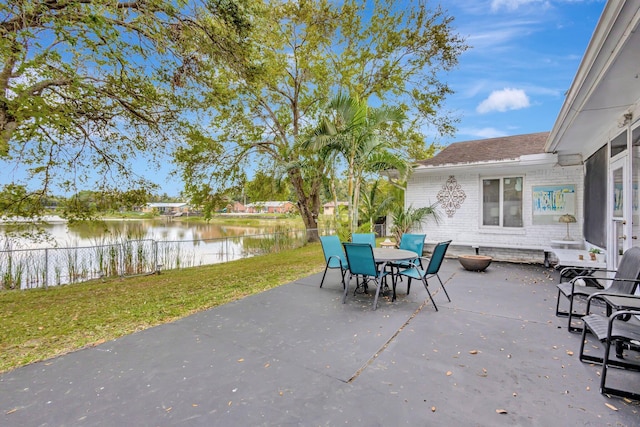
point(390, 256)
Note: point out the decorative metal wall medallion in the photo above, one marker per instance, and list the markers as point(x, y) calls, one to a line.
point(451, 196)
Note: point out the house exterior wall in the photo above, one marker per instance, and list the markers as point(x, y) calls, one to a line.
point(464, 227)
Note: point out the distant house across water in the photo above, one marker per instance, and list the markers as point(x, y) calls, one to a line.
point(168, 208)
point(330, 207)
point(270, 207)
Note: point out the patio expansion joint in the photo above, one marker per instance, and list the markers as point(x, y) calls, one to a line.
point(393, 337)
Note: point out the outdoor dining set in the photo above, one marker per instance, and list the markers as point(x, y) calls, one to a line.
point(610, 298)
point(365, 262)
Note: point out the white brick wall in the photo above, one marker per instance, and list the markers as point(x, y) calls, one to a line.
point(465, 225)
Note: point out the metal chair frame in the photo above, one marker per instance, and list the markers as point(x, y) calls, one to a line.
point(435, 262)
point(625, 282)
point(362, 263)
point(334, 256)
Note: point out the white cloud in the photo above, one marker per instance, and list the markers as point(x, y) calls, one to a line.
point(469, 133)
point(487, 133)
point(514, 4)
point(504, 100)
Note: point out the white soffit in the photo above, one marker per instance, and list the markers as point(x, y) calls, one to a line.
point(606, 86)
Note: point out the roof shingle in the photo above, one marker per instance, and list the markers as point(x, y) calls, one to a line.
point(487, 150)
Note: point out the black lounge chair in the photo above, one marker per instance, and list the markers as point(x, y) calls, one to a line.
point(625, 282)
point(616, 330)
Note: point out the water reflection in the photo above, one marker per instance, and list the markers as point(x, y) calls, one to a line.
point(92, 233)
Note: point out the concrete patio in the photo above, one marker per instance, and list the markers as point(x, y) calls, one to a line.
point(295, 355)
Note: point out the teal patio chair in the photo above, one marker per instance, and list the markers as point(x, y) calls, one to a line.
point(413, 243)
point(333, 256)
point(369, 238)
point(415, 272)
point(362, 263)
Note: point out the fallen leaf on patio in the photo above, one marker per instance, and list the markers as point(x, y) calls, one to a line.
point(610, 406)
point(11, 411)
point(280, 393)
point(449, 373)
point(433, 409)
point(168, 409)
point(240, 360)
point(229, 404)
point(473, 352)
point(588, 388)
point(570, 353)
point(627, 400)
point(195, 405)
point(266, 365)
point(501, 411)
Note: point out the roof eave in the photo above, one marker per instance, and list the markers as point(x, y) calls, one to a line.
point(527, 161)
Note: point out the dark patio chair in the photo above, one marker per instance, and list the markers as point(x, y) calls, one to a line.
point(432, 270)
point(618, 331)
point(625, 282)
point(333, 256)
point(369, 238)
point(362, 263)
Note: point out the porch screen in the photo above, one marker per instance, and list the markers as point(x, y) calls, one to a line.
point(595, 193)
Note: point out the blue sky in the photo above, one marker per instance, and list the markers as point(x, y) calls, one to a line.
point(524, 56)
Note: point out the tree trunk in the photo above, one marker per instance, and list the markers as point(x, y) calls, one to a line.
point(308, 206)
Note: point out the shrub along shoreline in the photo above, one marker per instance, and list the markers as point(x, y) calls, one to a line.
point(39, 324)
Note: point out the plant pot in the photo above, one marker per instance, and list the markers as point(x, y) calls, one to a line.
point(592, 256)
point(475, 262)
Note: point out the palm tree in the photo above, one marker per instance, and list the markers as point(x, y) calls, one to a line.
point(406, 219)
point(356, 132)
point(372, 207)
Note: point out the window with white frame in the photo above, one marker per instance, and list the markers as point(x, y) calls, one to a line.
point(502, 202)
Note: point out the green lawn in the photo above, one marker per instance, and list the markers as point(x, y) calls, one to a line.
point(39, 324)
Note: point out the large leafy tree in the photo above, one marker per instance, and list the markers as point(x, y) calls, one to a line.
point(84, 87)
point(264, 101)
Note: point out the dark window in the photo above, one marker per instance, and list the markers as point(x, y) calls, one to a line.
point(595, 194)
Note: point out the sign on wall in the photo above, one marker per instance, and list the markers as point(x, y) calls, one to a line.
point(552, 201)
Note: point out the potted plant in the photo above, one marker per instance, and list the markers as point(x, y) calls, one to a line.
point(593, 252)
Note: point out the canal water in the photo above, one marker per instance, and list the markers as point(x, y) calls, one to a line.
point(84, 251)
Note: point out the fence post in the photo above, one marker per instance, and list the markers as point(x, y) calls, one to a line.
point(46, 268)
point(154, 245)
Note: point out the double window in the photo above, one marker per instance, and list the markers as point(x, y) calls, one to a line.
point(502, 202)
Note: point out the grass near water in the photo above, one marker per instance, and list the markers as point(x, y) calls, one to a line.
point(39, 324)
